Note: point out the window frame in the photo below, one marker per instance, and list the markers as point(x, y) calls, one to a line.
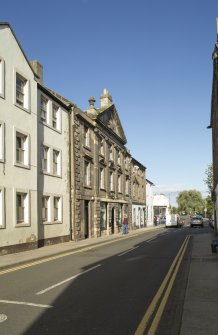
point(102, 147)
point(57, 170)
point(119, 157)
point(25, 105)
point(87, 137)
point(59, 208)
point(2, 207)
point(111, 181)
point(102, 178)
point(2, 78)
point(26, 159)
point(2, 142)
point(43, 98)
point(57, 118)
point(87, 173)
point(127, 186)
point(45, 149)
point(49, 199)
point(26, 221)
point(111, 152)
point(119, 183)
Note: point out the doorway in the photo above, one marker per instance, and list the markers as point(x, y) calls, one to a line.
point(112, 220)
point(86, 219)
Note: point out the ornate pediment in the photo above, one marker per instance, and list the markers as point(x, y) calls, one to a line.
point(109, 117)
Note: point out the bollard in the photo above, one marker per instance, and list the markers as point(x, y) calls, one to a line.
point(214, 246)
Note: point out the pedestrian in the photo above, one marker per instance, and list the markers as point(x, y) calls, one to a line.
point(125, 224)
point(155, 220)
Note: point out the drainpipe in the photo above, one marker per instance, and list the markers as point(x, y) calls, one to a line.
point(71, 109)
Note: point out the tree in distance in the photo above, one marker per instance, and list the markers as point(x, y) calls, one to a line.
point(190, 202)
point(209, 178)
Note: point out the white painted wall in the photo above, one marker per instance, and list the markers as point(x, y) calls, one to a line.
point(138, 216)
point(48, 183)
point(13, 177)
point(149, 205)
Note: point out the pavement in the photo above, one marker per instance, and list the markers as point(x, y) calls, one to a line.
point(200, 310)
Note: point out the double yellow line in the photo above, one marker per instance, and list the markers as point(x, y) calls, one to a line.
point(68, 253)
point(166, 286)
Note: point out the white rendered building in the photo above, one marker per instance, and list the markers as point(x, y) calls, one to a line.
point(18, 138)
point(34, 154)
point(149, 203)
point(53, 167)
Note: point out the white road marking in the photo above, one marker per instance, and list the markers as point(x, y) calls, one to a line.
point(151, 239)
point(126, 252)
point(66, 280)
point(3, 317)
point(24, 303)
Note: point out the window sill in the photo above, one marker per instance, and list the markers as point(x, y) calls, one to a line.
point(87, 147)
point(23, 108)
point(27, 167)
point(49, 223)
point(50, 127)
point(18, 225)
point(51, 174)
point(87, 186)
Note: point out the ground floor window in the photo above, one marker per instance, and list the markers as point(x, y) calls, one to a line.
point(103, 216)
point(2, 214)
point(119, 216)
point(57, 208)
point(22, 207)
point(134, 216)
point(45, 208)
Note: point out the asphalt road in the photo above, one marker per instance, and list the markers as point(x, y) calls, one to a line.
point(111, 289)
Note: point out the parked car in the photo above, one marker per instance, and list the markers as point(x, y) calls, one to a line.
point(173, 220)
point(163, 219)
point(196, 220)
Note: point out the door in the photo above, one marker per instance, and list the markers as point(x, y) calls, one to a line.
point(112, 220)
point(86, 219)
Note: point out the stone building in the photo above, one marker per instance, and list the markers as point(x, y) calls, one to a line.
point(138, 194)
point(102, 166)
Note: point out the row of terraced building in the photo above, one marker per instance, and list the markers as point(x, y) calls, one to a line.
point(65, 174)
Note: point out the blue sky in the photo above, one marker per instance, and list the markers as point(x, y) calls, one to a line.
point(154, 57)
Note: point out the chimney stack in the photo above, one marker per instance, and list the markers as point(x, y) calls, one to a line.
point(38, 69)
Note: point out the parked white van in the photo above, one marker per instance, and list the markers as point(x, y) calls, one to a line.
point(173, 220)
